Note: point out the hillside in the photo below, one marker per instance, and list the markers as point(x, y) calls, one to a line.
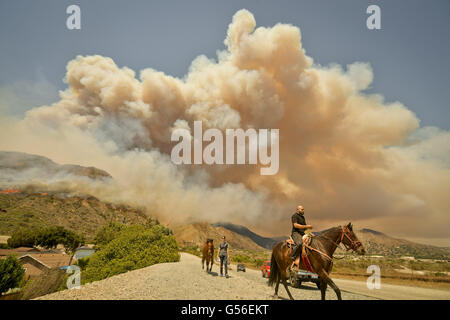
point(375, 242)
point(195, 234)
point(84, 215)
point(244, 231)
point(18, 169)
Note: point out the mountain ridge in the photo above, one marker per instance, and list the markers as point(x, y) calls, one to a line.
point(375, 243)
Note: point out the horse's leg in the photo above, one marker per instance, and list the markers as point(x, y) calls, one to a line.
point(203, 263)
point(323, 289)
point(276, 289)
point(287, 290)
point(335, 288)
point(324, 275)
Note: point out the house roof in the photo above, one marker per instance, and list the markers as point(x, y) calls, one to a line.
point(18, 251)
point(85, 248)
point(50, 260)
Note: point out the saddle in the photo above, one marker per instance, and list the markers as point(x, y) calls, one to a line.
point(306, 241)
point(290, 242)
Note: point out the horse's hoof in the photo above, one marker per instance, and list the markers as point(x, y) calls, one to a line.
point(275, 297)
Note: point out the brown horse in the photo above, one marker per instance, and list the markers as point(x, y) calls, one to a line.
point(208, 254)
point(320, 253)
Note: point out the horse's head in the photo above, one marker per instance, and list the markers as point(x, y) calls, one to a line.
point(210, 245)
point(350, 240)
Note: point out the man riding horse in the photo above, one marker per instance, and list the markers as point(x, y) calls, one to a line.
point(318, 254)
point(299, 227)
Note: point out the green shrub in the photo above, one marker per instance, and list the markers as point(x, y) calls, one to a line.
point(133, 247)
point(24, 237)
point(11, 273)
point(108, 233)
point(259, 262)
point(83, 263)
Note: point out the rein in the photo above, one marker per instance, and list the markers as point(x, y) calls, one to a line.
point(354, 245)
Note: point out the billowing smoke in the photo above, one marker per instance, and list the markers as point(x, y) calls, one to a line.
point(345, 155)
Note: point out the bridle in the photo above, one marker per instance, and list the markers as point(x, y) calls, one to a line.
point(354, 244)
point(345, 232)
point(210, 248)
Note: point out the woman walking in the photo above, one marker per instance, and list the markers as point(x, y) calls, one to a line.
point(223, 255)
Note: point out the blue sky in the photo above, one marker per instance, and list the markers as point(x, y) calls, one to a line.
point(409, 56)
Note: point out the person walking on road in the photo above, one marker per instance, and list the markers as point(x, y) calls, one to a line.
point(223, 255)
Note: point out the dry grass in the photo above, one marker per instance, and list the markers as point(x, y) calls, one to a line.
point(4, 239)
point(49, 282)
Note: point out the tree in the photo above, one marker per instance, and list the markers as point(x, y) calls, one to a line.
point(11, 273)
point(52, 236)
point(24, 237)
point(48, 238)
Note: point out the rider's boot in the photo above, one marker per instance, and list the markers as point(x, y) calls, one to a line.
point(296, 252)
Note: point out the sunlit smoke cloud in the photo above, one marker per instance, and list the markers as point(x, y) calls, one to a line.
point(344, 154)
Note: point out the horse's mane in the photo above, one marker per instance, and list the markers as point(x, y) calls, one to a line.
point(326, 231)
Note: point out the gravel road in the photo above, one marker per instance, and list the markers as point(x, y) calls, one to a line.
point(186, 280)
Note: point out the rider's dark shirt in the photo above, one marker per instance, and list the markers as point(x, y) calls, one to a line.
point(300, 219)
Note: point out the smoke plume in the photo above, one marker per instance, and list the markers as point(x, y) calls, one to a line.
point(344, 154)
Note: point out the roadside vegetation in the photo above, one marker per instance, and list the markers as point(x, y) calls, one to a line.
point(119, 248)
point(11, 273)
point(123, 248)
point(249, 258)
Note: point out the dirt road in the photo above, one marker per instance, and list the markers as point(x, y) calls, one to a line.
point(186, 280)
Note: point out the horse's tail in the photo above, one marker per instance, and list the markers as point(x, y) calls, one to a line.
point(274, 270)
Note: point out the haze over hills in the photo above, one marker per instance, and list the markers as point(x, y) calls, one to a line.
point(375, 243)
point(20, 169)
point(195, 234)
point(86, 214)
point(264, 242)
point(31, 206)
